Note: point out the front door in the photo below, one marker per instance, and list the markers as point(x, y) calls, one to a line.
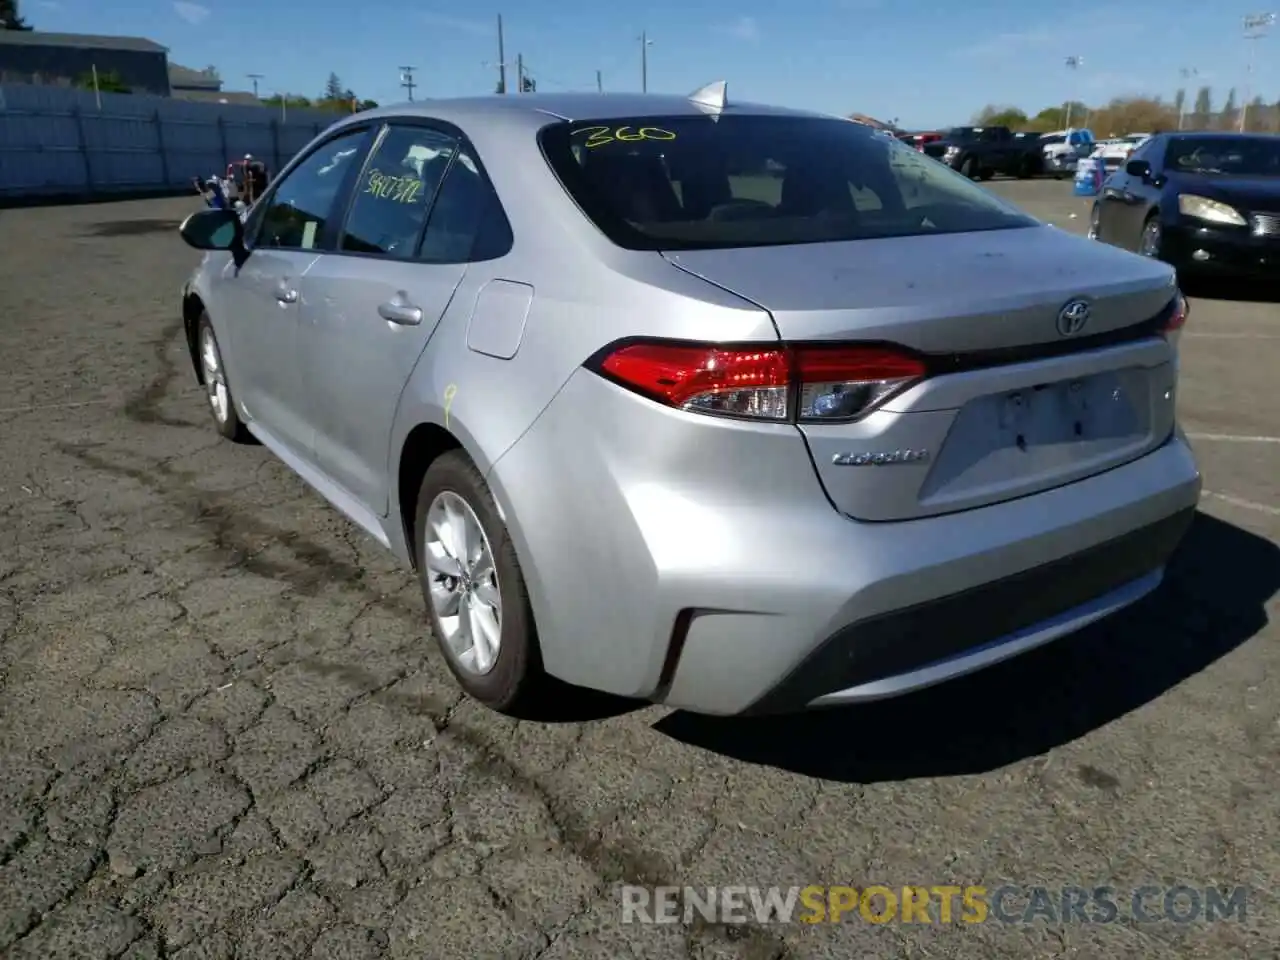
point(373, 305)
point(268, 293)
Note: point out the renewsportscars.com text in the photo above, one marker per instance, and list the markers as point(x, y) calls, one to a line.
point(940, 904)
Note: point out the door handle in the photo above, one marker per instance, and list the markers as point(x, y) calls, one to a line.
point(404, 314)
point(286, 294)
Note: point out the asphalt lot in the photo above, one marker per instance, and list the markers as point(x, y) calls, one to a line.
point(223, 731)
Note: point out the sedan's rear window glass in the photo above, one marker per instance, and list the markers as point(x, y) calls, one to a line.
point(689, 182)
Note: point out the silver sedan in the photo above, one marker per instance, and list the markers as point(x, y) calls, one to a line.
point(733, 408)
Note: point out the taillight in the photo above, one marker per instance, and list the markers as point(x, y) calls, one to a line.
point(782, 383)
point(1178, 316)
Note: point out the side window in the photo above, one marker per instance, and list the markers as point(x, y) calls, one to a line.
point(467, 221)
point(396, 190)
point(294, 216)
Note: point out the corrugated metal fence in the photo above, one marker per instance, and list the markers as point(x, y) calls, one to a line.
point(59, 141)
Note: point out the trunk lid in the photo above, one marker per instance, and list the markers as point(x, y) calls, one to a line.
point(1026, 409)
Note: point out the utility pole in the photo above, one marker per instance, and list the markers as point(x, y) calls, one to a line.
point(1256, 26)
point(502, 60)
point(519, 73)
point(1073, 64)
point(645, 43)
point(255, 77)
point(406, 80)
point(1187, 73)
point(599, 82)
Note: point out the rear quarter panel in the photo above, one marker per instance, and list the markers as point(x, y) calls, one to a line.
point(586, 293)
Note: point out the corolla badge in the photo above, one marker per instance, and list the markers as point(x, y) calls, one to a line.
point(879, 458)
point(1073, 317)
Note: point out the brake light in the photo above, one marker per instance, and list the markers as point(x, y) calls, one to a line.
point(1178, 317)
point(783, 383)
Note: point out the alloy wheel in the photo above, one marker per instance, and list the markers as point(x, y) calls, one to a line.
point(215, 379)
point(463, 583)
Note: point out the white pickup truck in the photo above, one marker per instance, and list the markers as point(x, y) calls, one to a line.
point(1063, 149)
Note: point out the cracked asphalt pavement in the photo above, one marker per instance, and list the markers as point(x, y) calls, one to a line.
point(224, 732)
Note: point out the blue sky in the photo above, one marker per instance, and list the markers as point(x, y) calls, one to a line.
point(925, 62)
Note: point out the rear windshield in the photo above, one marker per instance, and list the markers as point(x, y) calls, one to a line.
point(685, 183)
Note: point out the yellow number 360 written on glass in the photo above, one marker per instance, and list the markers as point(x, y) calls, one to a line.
point(599, 136)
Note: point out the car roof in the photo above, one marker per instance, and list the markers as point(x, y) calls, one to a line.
point(1220, 135)
point(522, 108)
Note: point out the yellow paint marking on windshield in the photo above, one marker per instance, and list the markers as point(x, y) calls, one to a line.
point(599, 136)
point(450, 392)
point(401, 189)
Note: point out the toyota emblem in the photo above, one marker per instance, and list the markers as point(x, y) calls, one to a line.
point(1073, 317)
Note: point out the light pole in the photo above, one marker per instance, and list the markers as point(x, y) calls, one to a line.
point(1256, 26)
point(1073, 64)
point(255, 77)
point(645, 44)
point(1187, 73)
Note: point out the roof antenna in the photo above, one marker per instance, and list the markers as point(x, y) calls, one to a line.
point(712, 96)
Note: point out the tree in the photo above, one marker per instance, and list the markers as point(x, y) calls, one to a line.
point(529, 85)
point(333, 88)
point(109, 82)
point(1180, 101)
point(288, 100)
point(368, 104)
point(1203, 111)
point(9, 19)
point(1000, 116)
point(1229, 117)
point(1256, 119)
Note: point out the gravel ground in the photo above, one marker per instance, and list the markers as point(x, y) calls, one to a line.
point(224, 734)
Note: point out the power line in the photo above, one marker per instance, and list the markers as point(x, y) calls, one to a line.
point(406, 80)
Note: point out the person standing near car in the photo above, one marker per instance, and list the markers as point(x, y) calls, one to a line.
point(256, 178)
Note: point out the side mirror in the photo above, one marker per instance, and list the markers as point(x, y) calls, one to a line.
point(215, 229)
point(1138, 168)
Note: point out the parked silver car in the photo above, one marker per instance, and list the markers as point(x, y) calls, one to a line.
point(733, 408)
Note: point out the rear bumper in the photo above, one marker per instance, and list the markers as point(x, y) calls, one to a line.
point(945, 638)
point(698, 563)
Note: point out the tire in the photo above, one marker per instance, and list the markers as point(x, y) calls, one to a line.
point(213, 377)
point(1095, 215)
point(969, 168)
point(512, 682)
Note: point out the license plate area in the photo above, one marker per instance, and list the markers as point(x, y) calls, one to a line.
point(1007, 443)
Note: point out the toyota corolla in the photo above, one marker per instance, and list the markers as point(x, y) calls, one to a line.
point(732, 408)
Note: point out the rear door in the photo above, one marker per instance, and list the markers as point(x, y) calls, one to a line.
point(376, 302)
